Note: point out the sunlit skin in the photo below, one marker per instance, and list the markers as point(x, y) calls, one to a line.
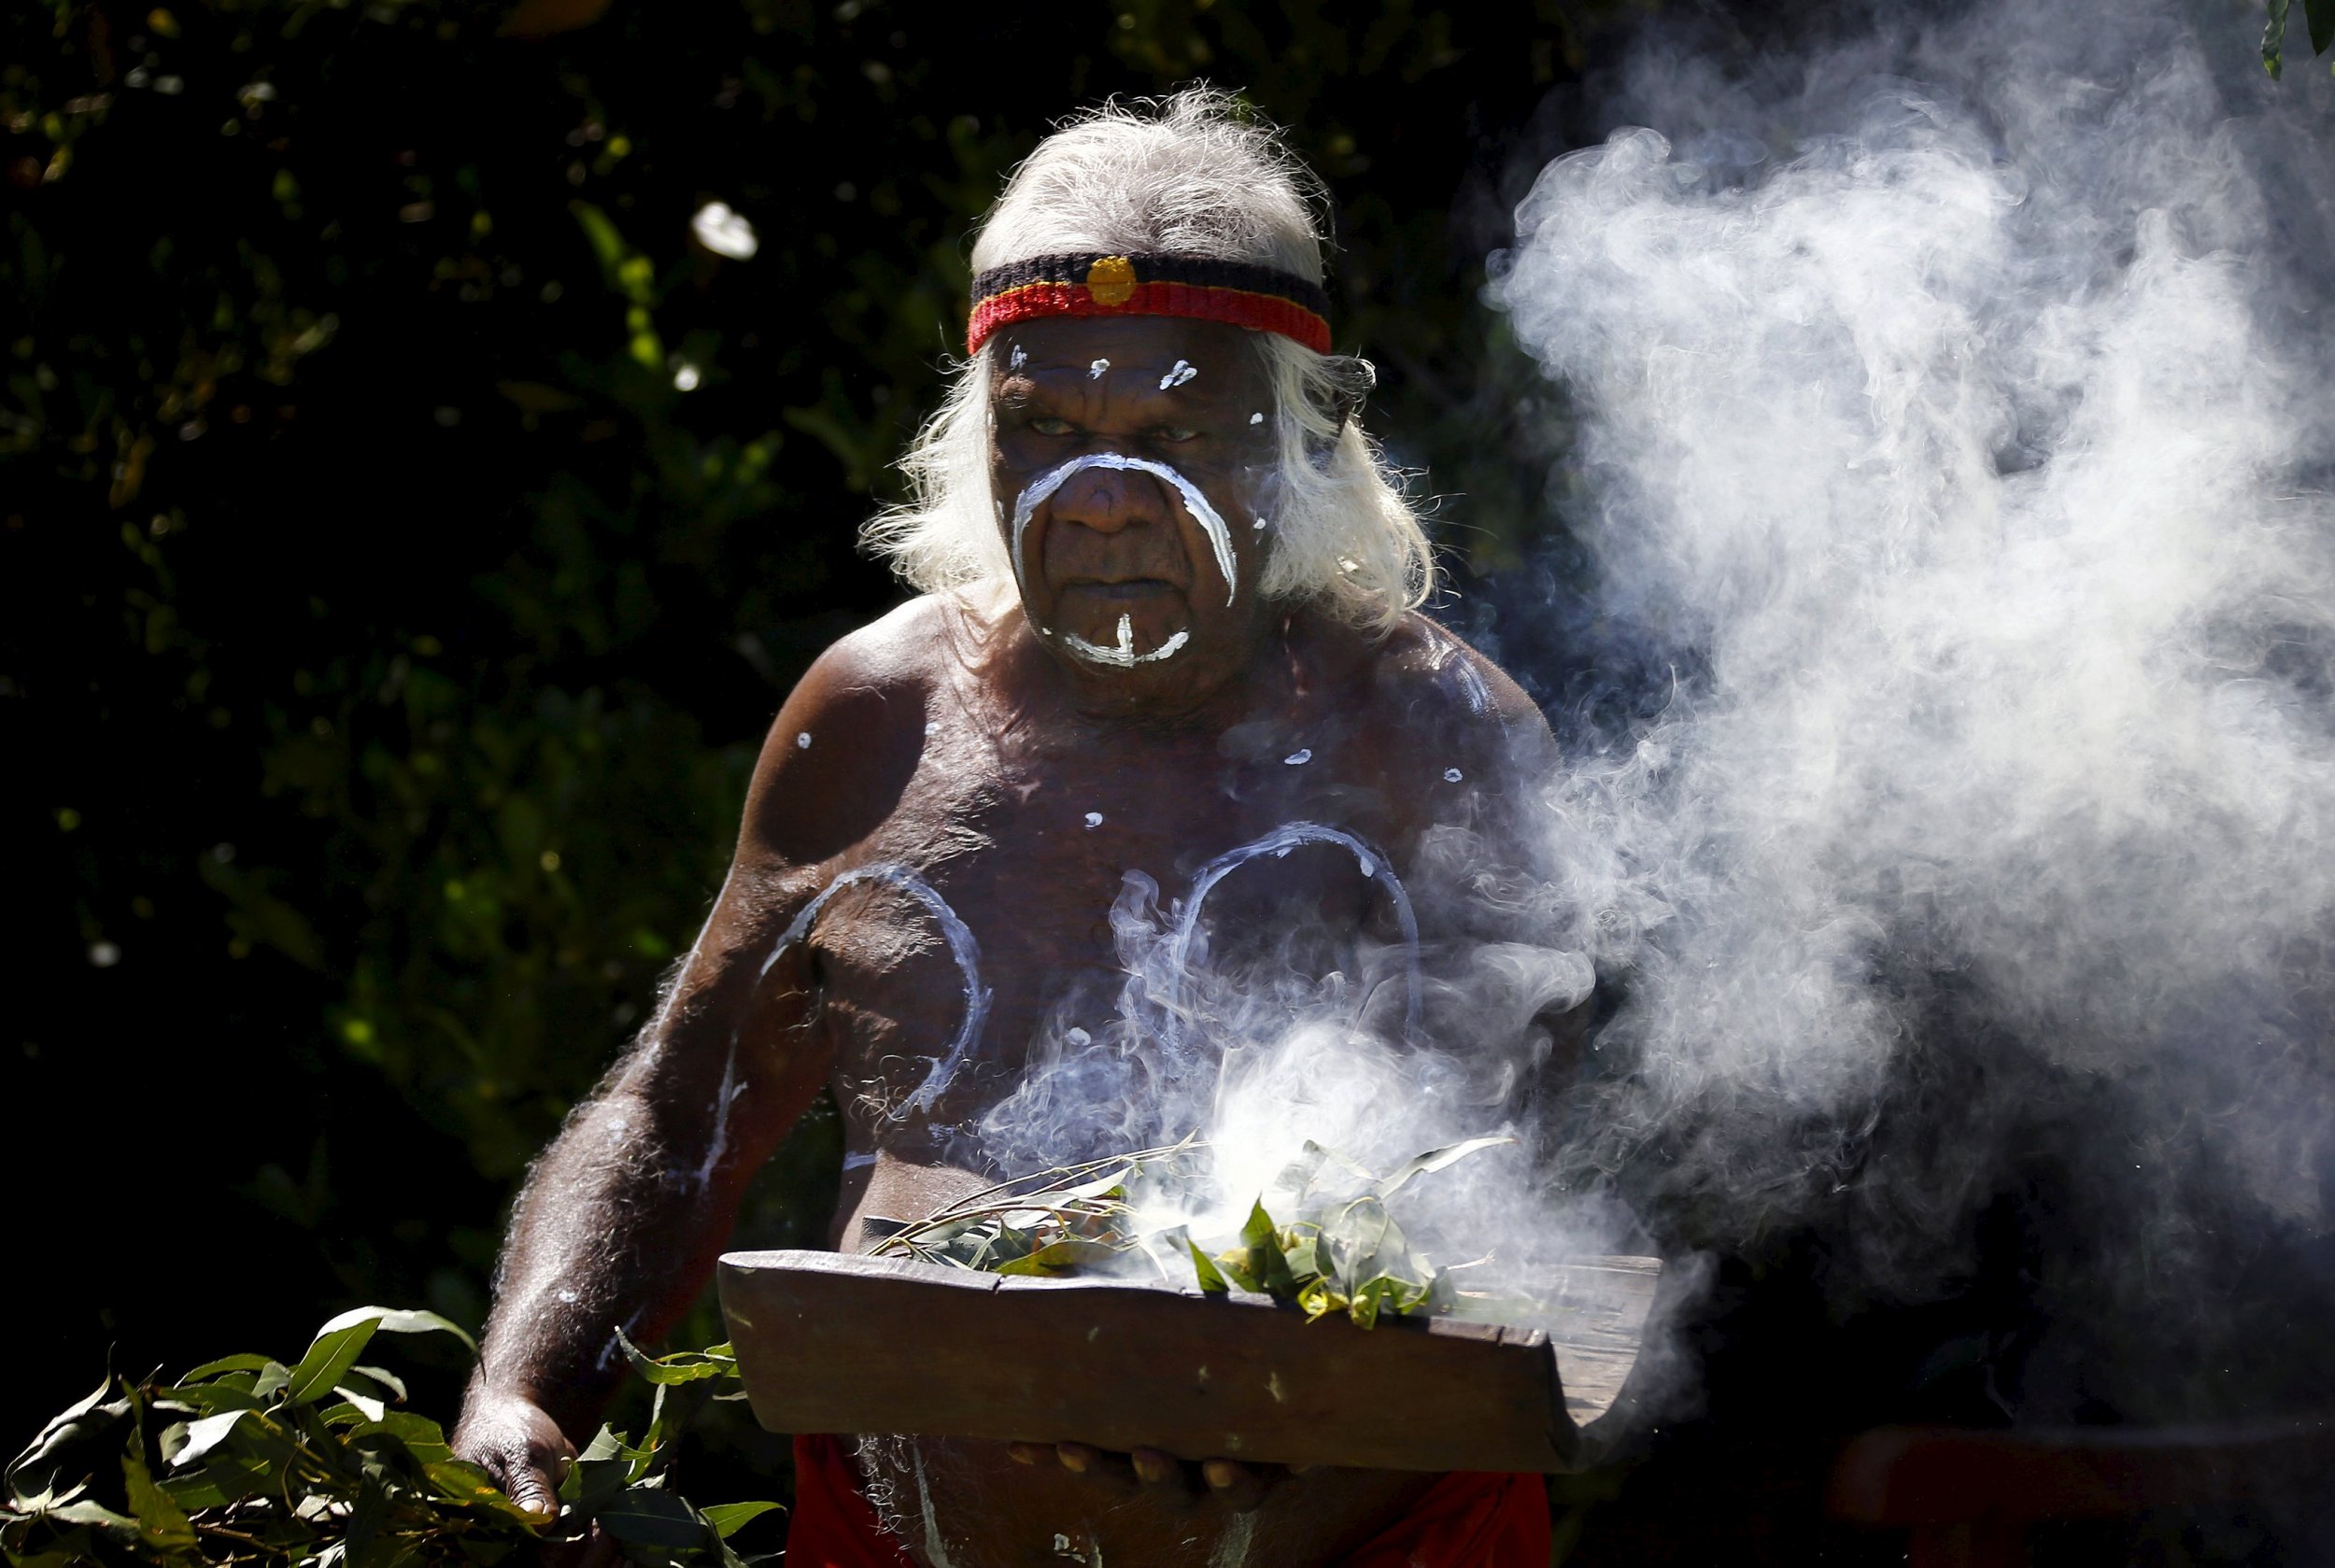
point(960, 737)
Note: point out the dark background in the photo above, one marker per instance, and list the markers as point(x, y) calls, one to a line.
point(385, 638)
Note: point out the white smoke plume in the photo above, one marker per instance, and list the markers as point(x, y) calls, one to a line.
point(1955, 420)
point(1952, 439)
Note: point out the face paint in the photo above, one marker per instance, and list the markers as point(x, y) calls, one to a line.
point(1124, 656)
point(1257, 419)
point(1452, 775)
point(1300, 757)
point(1020, 358)
point(1095, 370)
point(1093, 819)
point(1183, 371)
point(803, 742)
point(1219, 538)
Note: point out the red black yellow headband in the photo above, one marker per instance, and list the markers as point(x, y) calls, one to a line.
point(1258, 298)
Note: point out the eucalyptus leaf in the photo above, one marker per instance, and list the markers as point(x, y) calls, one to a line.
point(162, 1522)
point(648, 1516)
point(727, 1517)
point(1436, 1159)
point(206, 1434)
point(2274, 37)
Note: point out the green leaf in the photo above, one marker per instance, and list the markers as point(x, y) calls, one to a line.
point(682, 1366)
point(2274, 37)
point(651, 1516)
point(225, 1363)
point(161, 1522)
point(205, 1435)
point(2320, 14)
point(1266, 1264)
point(1451, 1153)
point(420, 1436)
point(403, 1320)
point(386, 1385)
point(359, 1406)
point(333, 1351)
point(77, 1436)
point(102, 1518)
point(1211, 1279)
point(726, 1518)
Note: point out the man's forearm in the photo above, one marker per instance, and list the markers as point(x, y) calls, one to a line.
point(614, 1230)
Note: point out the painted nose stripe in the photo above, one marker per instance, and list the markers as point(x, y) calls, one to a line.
point(1218, 537)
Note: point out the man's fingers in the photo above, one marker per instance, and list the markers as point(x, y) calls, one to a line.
point(1151, 1466)
point(532, 1489)
point(1237, 1486)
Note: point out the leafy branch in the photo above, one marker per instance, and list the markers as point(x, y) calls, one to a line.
point(251, 1460)
point(2319, 16)
point(1345, 1256)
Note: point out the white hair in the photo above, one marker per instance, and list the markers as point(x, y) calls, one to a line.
point(1195, 175)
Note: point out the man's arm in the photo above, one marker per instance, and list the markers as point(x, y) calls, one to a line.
point(623, 1216)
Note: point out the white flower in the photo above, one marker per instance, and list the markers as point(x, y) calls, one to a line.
point(723, 232)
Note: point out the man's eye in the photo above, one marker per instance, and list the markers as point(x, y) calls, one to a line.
point(1176, 433)
point(1048, 425)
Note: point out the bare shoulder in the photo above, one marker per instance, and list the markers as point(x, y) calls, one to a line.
point(841, 750)
point(1436, 686)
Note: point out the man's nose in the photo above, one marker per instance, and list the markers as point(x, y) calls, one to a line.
point(1110, 499)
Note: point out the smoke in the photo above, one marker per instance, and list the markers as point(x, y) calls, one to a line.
point(1954, 430)
point(1952, 489)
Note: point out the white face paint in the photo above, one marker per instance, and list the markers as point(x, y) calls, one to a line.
point(1300, 757)
point(1219, 538)
point(1256, 419)
point(803, 742)
point(1124, 656)
point(1183, 371)
point(1020, 357)
point(1093, 819)
point(1095, 370)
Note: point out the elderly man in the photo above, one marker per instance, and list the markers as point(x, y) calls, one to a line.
point(1168, 609)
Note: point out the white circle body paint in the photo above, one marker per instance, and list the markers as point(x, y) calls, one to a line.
point(1093, 819)
point(803, 742)
point(1183, 371)
point(1452, 775)
point(1256, 419)
point(1095, 370)
point(1300, 757)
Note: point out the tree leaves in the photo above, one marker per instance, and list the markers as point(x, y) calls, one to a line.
point(1347, 1256)
point(2318, 17)
point(306, 1465)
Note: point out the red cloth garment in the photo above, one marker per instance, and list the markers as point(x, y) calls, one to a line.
point(833, 1526)
point(1469, 1519)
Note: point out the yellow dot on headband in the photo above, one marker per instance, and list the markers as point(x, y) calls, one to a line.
point(1111, 280)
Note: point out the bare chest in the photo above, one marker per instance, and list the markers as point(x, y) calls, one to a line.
point(1015, 912)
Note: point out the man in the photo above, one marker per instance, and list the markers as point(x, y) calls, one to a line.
point(1169, 609)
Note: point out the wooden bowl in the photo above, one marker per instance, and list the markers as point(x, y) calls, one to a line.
point(837, 1342)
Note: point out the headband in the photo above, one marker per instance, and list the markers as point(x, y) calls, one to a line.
point(1088, 284)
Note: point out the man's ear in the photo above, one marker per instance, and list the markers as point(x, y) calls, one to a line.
point(1349, 379)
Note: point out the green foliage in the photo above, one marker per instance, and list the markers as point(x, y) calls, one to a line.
point(245, 1460)
point(1343, 1255)
point(2319, 18)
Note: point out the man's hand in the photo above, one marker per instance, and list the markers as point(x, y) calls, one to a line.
point(1240, 1487)
point(519, 1446)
